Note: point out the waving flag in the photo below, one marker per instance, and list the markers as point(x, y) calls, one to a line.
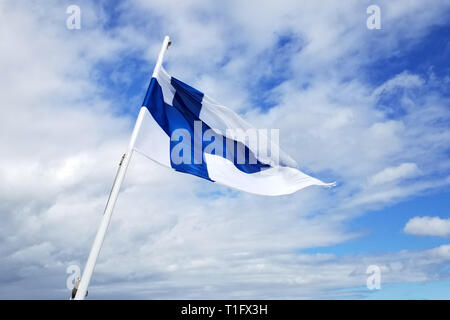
point(176, 120)
point(181, 128)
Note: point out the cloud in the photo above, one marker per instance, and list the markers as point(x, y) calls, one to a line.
point(405, 170)
point(428, 226)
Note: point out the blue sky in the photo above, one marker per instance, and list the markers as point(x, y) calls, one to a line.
point(382, 230)
point(366, 108)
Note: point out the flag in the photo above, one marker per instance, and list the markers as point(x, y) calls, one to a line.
point(187, 131)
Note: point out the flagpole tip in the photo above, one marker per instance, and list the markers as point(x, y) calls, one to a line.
point(168, 41)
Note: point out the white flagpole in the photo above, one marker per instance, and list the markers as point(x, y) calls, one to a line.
point(100, 237)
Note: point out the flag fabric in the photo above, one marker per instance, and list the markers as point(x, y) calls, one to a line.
point(186, 130)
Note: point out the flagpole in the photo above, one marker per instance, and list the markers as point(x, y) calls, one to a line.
point(123, 165)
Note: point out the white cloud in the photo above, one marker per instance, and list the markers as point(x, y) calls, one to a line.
point(402, 80)
point(428, 226)
point(403, 171)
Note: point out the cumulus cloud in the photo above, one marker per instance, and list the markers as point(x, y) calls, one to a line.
point(65, 121)
point(428, 226)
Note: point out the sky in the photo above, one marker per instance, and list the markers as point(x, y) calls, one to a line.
point(367, 108)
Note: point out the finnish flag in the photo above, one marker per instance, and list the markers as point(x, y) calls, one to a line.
point(183, 129)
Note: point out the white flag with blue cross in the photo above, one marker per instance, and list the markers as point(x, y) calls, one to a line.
point(185, 130)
